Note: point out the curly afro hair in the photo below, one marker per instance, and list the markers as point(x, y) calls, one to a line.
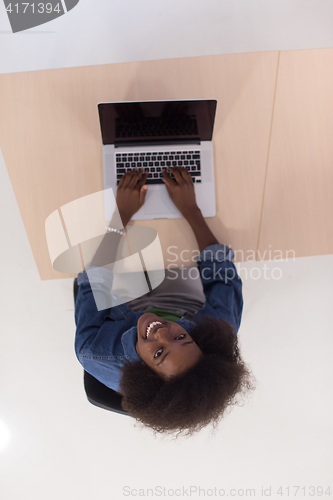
point(186, 403)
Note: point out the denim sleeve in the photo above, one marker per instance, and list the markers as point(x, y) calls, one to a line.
point(221, 284)
point(88, 318)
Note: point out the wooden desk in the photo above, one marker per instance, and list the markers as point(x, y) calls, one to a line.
point(51, 143)
point(298, 203)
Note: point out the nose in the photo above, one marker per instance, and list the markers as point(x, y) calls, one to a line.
point(162, 333)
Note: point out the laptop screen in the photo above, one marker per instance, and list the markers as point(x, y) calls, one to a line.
point(143, 121)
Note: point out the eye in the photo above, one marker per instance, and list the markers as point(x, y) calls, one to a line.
point(158, 353)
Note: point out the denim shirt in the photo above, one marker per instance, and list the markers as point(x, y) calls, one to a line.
point(106, 339)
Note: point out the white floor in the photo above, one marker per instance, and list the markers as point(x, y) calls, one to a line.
point(108, 32)
point(53, 443)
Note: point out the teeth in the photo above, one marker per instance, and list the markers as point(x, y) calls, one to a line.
point(151, 325)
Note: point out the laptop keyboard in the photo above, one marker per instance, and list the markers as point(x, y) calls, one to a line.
point(154, 162)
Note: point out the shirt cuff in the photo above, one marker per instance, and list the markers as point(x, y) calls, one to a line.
point(217, 252)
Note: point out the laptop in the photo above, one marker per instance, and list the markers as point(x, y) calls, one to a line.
point(153, 135)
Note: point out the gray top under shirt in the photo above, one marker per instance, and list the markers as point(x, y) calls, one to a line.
point(181, 292)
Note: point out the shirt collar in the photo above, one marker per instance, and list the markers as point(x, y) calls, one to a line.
point(129, 340)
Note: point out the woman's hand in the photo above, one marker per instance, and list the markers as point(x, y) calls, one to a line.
point(131, 193)
point(181, 190)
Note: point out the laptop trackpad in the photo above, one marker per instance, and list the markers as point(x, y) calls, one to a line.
point(158, 202)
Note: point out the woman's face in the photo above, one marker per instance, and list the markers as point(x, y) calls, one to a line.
point(165, 346)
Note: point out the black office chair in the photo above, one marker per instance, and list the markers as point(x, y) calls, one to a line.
point(97, 393)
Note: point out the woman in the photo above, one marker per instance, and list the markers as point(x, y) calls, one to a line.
point(172, 353)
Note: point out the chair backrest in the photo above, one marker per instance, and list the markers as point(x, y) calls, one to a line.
point(97, 393)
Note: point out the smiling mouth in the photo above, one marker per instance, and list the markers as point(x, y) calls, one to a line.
point(153, 325)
